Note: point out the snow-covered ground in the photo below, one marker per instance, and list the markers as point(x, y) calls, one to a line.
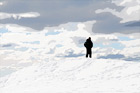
point(75, 76)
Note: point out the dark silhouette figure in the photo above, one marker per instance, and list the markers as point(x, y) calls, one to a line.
point(88, 44)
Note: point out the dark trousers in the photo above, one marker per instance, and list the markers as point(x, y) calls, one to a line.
point(88, 53)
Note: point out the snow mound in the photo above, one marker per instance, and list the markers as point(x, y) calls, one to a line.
point(75, 76)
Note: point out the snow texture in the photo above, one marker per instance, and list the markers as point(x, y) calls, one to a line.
point(75, 76)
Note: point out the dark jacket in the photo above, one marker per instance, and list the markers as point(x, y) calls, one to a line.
point(88, 43)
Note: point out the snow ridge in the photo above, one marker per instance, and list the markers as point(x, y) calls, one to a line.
point(75, 76)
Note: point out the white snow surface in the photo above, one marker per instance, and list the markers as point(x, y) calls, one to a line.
point(75, 76)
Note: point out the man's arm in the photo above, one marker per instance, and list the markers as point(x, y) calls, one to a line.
point(91, 44)
point(85, 44)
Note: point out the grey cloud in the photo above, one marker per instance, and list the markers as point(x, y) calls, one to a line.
point(101, 40)
point(108, 23)
point(133, 59)
point(114, 39)
point(79, 41)
point(54, 12)
point(134, 24)
point(112, 56)
point(8, 45)
point(120, 56)
point(70, 53)
point(52, 50)
point(74, 55)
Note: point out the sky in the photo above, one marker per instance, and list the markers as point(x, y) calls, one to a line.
point(36, 30)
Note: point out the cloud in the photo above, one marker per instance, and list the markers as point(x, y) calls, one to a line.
point(19, 16)
point(52, 12)
point(104, 16)
point(130, 12)
point(133, 59)
point(112, 56)
point(1, 3)
point(7, 45)
point(49, 41)
point(108, 23)
point(134, 24)
point(79, 41)
point(70, 53)
point(65, 40)
point(131, 43)
point(124, 21)
point(105, 39)
point(120, 56)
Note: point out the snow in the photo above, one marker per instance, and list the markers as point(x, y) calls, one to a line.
point(75, 75)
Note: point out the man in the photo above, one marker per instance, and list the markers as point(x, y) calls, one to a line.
point(88, 44)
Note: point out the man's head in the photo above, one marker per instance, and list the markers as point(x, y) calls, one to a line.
point(89, 38)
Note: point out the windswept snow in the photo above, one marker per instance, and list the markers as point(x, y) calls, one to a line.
point(75, 76)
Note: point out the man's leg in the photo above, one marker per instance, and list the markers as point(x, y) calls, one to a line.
point(86, 55)
point(90, 54)
point(86, 52)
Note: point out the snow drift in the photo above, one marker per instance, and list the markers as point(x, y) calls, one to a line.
point(75, 76)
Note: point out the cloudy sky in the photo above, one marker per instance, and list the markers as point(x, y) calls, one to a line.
point(36, 30)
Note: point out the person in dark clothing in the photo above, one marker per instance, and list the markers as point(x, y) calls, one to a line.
point(88, 44)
